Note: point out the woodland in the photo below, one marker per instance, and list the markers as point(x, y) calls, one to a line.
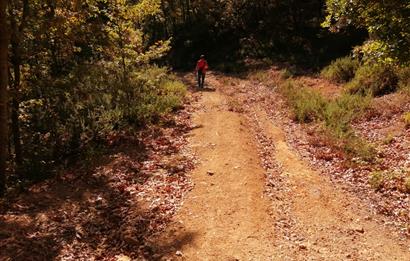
point(91, 83)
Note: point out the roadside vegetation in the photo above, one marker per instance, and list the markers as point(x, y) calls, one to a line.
point(334, 115)
point(341, 70)
point(80, 75)
point(360, 83)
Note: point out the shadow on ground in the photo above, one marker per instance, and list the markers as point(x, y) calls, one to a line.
point(95, 214)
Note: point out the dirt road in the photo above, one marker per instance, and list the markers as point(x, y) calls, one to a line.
point(229, 217)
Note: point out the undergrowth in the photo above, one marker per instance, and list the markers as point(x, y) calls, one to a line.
point(341, 70)
point(376, 80)
point(394, 180)
point(406, 119)
point(81, 112)
point(376, 179)
point(334, 115)
point(260, 76)
point(404, 79)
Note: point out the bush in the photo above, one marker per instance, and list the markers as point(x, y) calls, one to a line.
point(340, 112)
point(341, 70)
point(307, 105)
point(404, 79)
point(406, 119)
point(376, 179)
point(151, 93)
point(76, 113)
point(357, 147)
point(376, 80)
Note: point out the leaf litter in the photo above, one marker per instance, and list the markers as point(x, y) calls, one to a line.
point(382, 126)
point(109, 211)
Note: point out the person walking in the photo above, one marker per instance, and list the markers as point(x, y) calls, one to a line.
point(201, 68)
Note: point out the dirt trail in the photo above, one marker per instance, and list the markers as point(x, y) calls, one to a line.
point(226, 213)
point(329, 223)
point(228, 217)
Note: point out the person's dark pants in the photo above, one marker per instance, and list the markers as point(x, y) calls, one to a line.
point(201, 79)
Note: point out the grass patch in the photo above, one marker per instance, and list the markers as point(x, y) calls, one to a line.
point(339, 113)
point(334, 115)
point(341, 70)
point(357, 147)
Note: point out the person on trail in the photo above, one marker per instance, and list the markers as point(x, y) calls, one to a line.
point(201, 68)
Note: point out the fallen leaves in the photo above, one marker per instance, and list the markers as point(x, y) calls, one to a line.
point(382, 126)
point(108, 212)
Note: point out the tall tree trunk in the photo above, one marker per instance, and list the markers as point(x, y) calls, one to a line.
point(15, 128)
point(14, 92)
point(16, 36)
point(4, 42)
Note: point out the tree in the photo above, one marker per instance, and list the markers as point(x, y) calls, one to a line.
point(387, 22)
point(17, 27)
point(4, 41)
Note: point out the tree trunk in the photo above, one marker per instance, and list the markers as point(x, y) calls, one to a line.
point(4, 42)
point(15, 128)
point(16, 61)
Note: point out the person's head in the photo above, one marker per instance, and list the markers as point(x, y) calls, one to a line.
point(202, 56)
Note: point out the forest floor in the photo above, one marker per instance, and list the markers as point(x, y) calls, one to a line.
point(227, 178)
point(255, 198)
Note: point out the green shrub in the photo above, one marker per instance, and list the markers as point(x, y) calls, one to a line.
point(341, 70)
point(340, 112)
point(307, 105)
point(388, 139)
point(376, 179)
point(150, 93)
point(376, 80)
point(79, 112)
point(406, 119)
point(358, 147)
point(404, 79)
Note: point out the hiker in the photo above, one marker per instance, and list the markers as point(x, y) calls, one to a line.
point(201, 67)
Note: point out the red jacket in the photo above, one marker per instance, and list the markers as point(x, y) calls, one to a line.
point(202, 65)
